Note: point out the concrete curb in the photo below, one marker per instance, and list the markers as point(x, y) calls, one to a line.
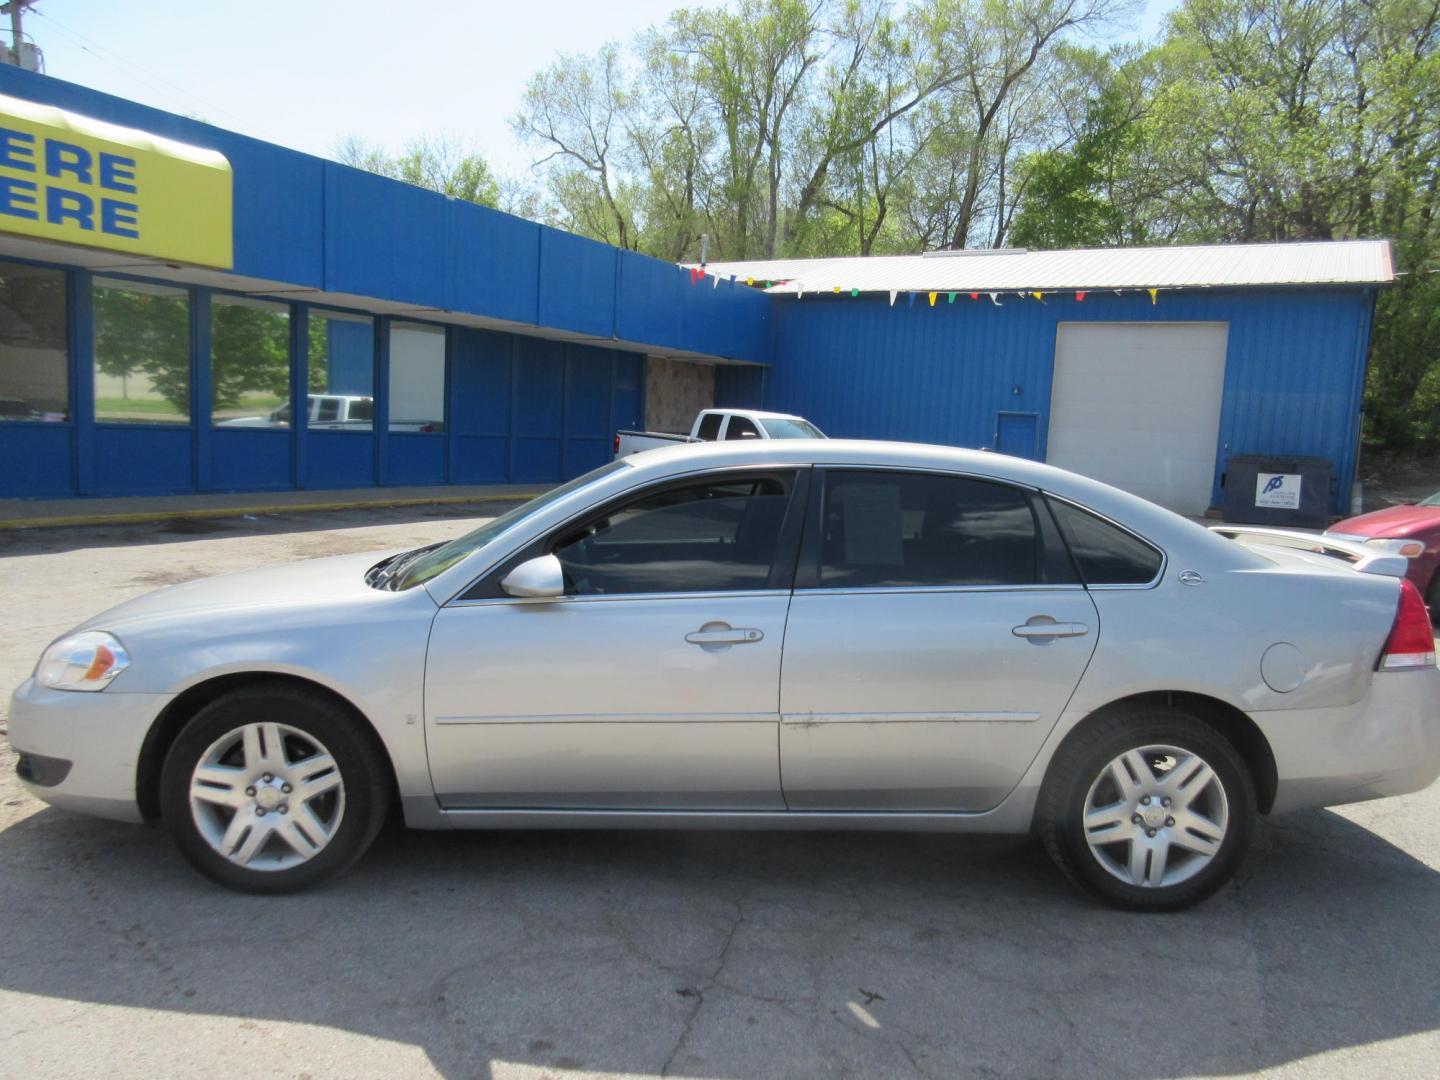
point(57, 521)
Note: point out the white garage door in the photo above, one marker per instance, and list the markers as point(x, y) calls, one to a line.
point(1137, 405)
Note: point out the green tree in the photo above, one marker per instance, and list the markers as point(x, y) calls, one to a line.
point(436, 163)
point(250, 353)
point(1066, 203)
point(145, 329)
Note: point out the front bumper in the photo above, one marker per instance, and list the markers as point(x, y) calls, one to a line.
point(1386, 744)
point(99, 735)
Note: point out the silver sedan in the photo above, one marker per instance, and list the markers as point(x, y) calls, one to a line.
point(804, 635)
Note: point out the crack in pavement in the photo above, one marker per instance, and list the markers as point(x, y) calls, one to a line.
point(710, 983)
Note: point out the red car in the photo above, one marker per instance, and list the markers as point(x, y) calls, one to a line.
point(1412, 530)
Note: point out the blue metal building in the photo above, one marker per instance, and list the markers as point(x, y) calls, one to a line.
point(435, 341)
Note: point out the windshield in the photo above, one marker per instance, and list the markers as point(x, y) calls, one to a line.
point(785, 428)
point(1433, 500)
point(432, 562)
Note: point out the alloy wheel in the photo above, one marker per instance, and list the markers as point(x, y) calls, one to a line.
point(1156, 816)
point(267, 796)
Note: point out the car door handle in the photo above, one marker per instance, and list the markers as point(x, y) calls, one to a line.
point(1050, 629)
point(713, 634)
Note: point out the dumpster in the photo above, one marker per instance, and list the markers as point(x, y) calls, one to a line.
point(1287, 492)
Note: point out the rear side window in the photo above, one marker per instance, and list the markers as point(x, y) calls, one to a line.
point(710, 426)
point(883, 529)
point(1105, 553)
point(741, 427)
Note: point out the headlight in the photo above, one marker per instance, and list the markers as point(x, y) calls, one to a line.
point(1408, 548)
point(87, 661)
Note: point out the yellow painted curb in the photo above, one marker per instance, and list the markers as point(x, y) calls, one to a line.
point(141, 516)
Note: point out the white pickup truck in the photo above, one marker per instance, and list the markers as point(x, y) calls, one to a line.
point(333, 412)
point(716, 425)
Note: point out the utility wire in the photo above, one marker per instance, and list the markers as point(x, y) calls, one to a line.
point(120, 63)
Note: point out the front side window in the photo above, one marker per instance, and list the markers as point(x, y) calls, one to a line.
point(249, 362)
point(438, 560)
point(142, 353)
point(1105, 554)
point(34, 382)
point(342, 371)
point(741, 427)
point(884, 529)
point(711, 536)
point(417, 377)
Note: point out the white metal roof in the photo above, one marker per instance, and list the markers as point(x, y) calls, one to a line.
point(1340, 262)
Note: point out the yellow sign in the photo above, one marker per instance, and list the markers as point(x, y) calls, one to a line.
point(82, 181)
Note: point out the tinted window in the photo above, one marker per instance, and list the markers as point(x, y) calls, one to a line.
point(249, 361)
point(342, 361)
point(710, 426)
point(700, 537)
point(142, 353)
point(889, 529)
point(741, 428)
point(1105, 554)
point(328, 409)
point(34, 378)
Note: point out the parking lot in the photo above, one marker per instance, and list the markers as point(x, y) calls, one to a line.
point(685, 954)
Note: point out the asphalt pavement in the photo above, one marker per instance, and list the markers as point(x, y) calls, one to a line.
point(700, 954)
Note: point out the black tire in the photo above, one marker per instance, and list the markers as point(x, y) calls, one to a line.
point(358, 760)
point(1080, 763)
point(1432, 596)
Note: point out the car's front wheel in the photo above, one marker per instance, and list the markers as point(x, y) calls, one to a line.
point(271, 788)
point(1149, 810)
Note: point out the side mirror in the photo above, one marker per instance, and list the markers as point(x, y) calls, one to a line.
point(543, 576)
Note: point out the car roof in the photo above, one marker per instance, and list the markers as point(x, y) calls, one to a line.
point(759, 414)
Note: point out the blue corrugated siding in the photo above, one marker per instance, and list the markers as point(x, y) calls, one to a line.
point(304, 221)
point(861, 368)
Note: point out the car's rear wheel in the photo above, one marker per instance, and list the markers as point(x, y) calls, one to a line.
point(1149, 810)
point(272, 789)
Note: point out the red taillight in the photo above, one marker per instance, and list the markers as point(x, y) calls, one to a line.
point(617, 444)
point(1412, 641)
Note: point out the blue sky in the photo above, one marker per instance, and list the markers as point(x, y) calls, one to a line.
point(305, 73)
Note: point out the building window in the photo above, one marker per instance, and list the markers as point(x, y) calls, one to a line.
point(342, 372)
point(417, 377)
point(34, 382)
point(249, 362)
point(142, 353)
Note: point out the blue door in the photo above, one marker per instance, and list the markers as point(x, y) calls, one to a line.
point(1016, 434)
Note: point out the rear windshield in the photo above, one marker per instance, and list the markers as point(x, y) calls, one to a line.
point(778, 428)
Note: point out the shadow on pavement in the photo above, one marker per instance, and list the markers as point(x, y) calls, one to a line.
point(757, 955)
